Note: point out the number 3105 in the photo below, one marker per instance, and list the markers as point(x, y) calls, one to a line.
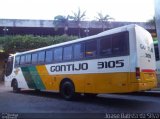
point(111, 64)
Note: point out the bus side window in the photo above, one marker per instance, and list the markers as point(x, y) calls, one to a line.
point(17, 61)
point(67, 53)
point(49, 56)
point(22, 60)
point(78, 50)
point(41, 57)
point(28, 58)
point(120, 43)
point(58, 54)
point(34, 58)
point(91, 49)
point(106, 46)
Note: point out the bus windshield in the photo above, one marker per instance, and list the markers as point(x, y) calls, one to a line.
point(9, 66)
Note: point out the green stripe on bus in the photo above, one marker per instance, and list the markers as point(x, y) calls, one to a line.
point(28, 78)
point(36, 78)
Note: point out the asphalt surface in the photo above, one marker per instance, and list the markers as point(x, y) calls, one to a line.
point(30, 102)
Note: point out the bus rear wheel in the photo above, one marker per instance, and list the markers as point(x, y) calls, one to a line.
point(15, 86)
point(67, 90)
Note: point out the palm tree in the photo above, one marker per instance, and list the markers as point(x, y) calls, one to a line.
point(103, 19)
point(62, 20)
point(78, 17)
point(152, 21)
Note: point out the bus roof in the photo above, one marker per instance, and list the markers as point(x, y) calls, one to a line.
point(111, 31)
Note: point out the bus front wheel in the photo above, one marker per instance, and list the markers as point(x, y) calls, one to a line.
point(67, 90)
point(15, 86)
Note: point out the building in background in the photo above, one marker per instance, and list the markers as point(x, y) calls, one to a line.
point(47, 27)
point(157, 19)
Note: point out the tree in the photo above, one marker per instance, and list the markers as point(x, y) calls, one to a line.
point(152, 21)
point(78, 17)
point(103, 19)
point(62, 20)
point(19, 43)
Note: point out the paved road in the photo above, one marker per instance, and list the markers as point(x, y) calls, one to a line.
point(47, 102)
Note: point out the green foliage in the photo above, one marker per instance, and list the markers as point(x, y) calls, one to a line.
point(12, 44)
point(61, 20)
point(78, 17)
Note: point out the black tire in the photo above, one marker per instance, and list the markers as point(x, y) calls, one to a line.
point(15, 86)
point(67, 90)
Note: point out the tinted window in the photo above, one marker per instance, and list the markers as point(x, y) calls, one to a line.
point(120, 43)
point(41, 57)
point(49, 56)
point(91, 48)
point(67, 53)
point(22, 60)
point(115, 45)
point(17, 60)
point(106, 46)
point(78, 51)
point(34, 58)
point(28, 58)
point(58, 54)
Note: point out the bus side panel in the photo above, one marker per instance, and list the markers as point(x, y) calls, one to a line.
point(28, 77)
point(48, 80)
point(111, 82)
point(52, 82)
point(18, 75)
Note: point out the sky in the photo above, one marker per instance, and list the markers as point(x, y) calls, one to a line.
point(120, 10)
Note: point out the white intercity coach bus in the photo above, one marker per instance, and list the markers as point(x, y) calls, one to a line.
point(119, 60)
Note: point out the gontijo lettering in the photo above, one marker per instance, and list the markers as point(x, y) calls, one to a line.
point(69, 67)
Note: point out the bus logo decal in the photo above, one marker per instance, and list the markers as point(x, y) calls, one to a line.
point(16, 71)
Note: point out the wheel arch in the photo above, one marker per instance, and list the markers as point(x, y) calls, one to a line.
point(64, 80)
